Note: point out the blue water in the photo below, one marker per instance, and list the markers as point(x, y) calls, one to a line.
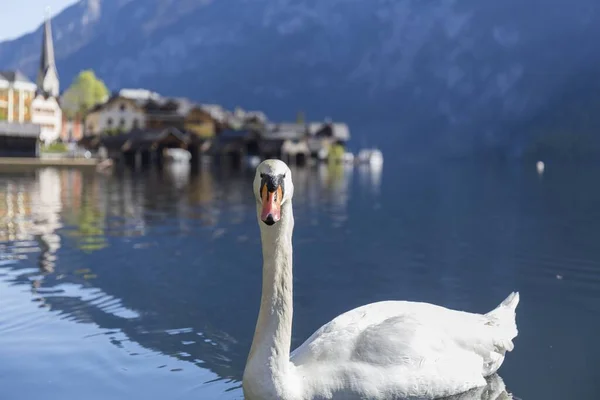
point(146, 285)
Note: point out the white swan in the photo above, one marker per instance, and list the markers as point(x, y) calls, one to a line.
point(383, 350)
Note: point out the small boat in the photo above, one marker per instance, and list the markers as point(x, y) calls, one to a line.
point(348, 158)
point(373, 157)
point(540, 167)
point(253, 161)
point(177, 155)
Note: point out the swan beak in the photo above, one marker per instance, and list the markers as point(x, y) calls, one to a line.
point(271, 205)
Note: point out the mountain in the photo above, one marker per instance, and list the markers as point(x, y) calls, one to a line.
point(448, 75)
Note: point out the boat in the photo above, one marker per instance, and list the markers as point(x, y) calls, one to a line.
point(177, 155)
point(373, 157)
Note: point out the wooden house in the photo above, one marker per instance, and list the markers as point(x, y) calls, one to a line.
point(231, 146)
point(167, 113)
point(147, 146)
point(201, 122)
point(118, 115)
point(284, 141)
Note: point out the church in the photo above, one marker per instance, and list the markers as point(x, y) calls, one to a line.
point(45, 106)
point(30, 112)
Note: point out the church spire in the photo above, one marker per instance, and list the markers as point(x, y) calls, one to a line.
point(47, 79)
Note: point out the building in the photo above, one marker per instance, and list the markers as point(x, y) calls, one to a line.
point(139, 94)
point(147, 146)
point(322, 136)
point(46, 112)
point(72, 129)
point(284, 141)
point(118, 115)
point(45, 108)
point(167, 113)
point(19, 139)
point(47, 78)
point(204, 121)
point(16, 95)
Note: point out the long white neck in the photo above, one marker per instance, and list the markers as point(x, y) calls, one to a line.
point(269, 356)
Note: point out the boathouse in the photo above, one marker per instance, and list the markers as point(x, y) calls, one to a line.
point(146, 146)
point(19, 139)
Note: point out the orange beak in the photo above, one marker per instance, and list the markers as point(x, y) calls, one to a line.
point(271, 205)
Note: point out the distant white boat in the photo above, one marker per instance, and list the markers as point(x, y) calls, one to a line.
point(540, 167)
point(348, 158)
point(322, 154)
point(253, 161)
point(178, 155)
point(373, 157)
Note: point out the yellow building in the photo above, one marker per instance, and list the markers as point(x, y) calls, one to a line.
point(200, 122)
point(16, 95)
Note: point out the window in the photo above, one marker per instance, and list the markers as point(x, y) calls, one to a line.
point(136, 124)
point(122, 122)
point(122, 107)
point(109, 122)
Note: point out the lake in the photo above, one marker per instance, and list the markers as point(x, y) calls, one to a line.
point(147, 285)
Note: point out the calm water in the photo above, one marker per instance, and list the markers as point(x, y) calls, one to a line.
point(147, 286)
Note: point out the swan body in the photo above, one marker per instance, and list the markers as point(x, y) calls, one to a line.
point(383, 350)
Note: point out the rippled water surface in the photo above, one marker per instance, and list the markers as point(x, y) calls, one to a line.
point(130, 285)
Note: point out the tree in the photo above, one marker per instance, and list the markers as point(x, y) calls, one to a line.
point(85, 92)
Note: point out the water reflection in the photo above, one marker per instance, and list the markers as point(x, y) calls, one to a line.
point(147, 257)
point(494, 390)
point(155, 277)
point(370, 177)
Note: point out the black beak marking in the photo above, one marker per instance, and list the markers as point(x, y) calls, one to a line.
point(272, 182)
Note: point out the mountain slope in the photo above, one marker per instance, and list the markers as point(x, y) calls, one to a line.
point(452, 75)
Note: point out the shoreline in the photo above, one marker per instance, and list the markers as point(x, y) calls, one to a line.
point(46, 162)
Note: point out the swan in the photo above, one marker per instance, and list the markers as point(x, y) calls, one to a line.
point(382, 350)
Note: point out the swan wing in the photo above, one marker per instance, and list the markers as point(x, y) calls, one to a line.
point(398, 348)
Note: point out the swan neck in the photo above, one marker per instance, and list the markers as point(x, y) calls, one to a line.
point(272, 338)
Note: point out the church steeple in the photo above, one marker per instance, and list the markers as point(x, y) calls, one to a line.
point(47, 79)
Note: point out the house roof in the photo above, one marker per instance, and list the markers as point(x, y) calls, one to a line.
point(215, 111)
point(141, 139)
point(139, 94)
point(184, 105)
point(338, 130)
point(111, 100)
point(14, 76)
point(285, 131)
point(169, 107)
point(19, 130)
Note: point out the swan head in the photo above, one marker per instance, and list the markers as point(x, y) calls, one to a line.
point(273, 187)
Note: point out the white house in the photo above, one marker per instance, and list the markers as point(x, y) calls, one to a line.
point(46, 112)
point(118, 114)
